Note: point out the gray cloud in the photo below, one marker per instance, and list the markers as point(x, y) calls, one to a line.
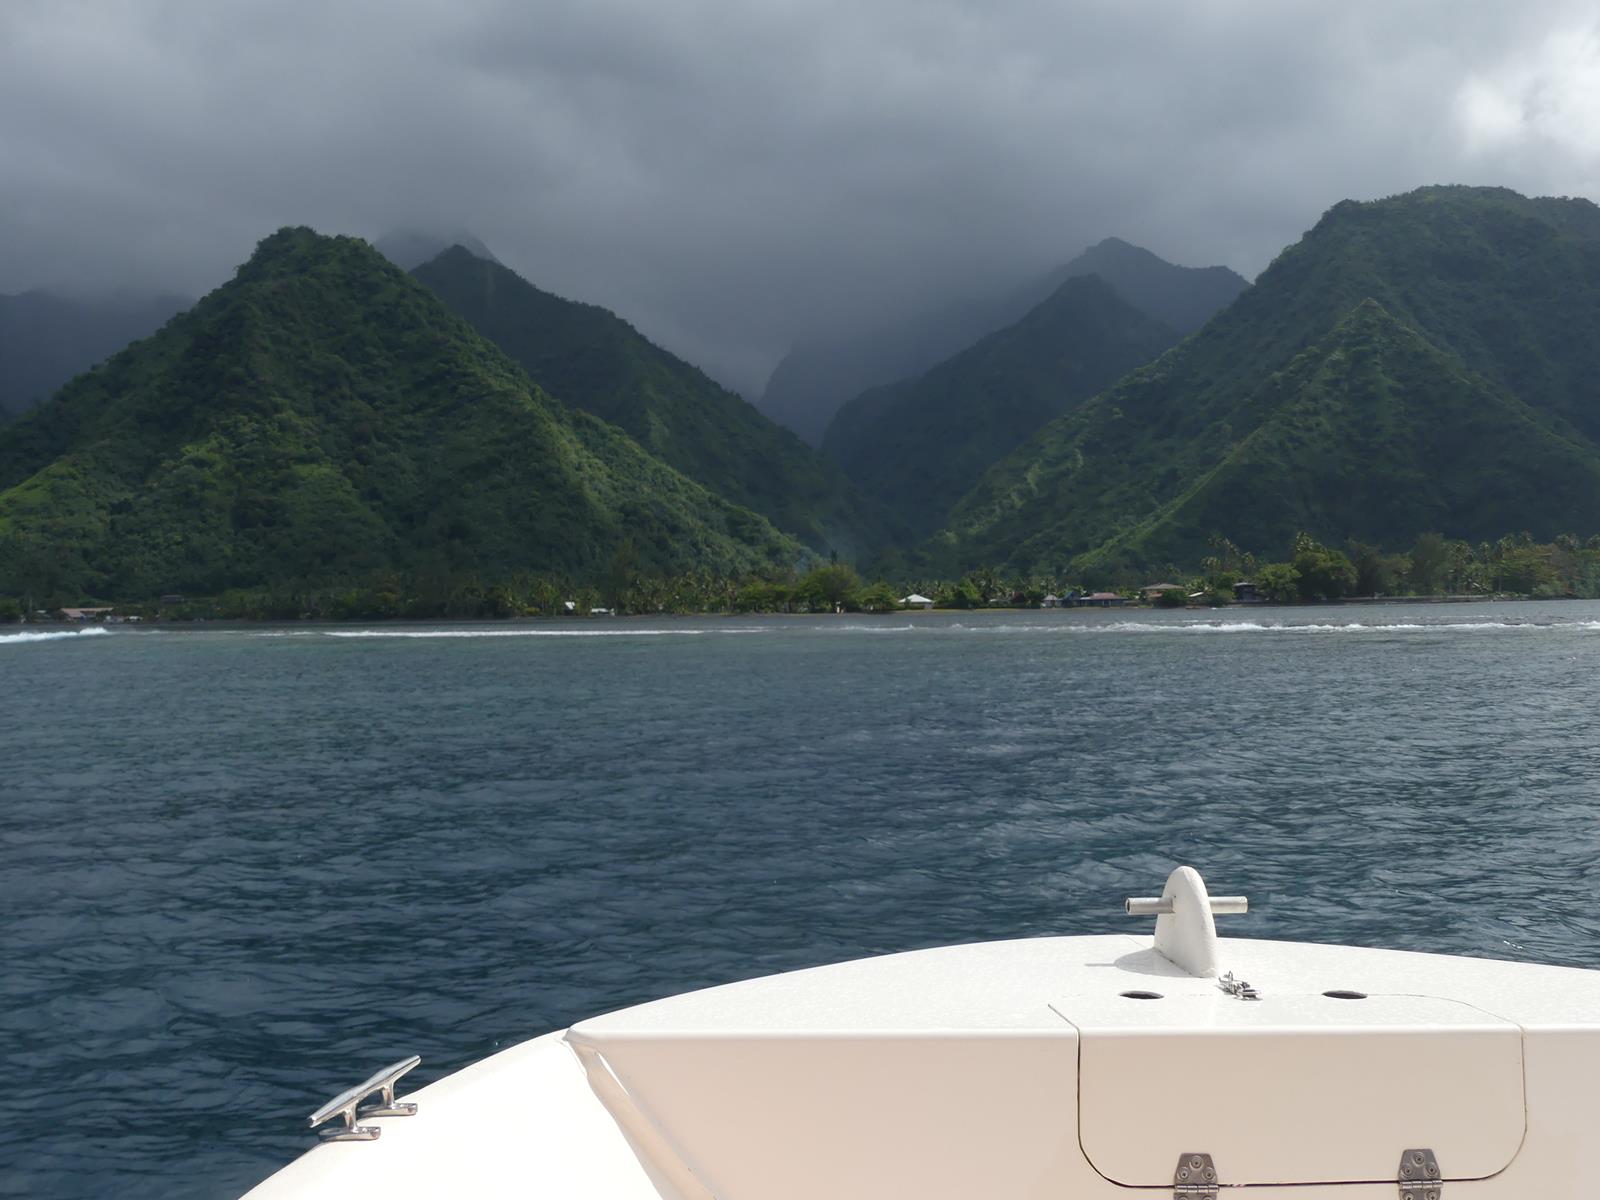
point(731, 176)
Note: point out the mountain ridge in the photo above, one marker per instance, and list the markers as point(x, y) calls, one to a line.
point(322, 416)
point(1150, 436)
point(589, 358)
point(921, 444)
point(811, 383)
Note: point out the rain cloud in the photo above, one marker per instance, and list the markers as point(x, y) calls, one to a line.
point(734, 176)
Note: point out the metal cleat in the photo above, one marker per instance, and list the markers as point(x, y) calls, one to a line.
point(347, 1103)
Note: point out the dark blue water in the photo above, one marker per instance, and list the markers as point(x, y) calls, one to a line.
point(241, 867)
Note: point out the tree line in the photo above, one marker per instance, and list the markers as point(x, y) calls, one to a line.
point(1311, 571)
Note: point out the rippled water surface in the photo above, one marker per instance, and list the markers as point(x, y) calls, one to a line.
point(243, 866)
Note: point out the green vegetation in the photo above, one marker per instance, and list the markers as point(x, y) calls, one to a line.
point(1417, 364)
point(920, 445)
point(323, 436)
point(1184, 298)
point(591, 359)
point(1512, 566)
point(321, 418)
point(1434, 566)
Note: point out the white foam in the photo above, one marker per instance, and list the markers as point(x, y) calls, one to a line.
point(521, 633)
point(1306, 627)
point(52, 636)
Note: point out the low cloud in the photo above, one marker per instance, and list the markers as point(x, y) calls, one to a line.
point(733, 177)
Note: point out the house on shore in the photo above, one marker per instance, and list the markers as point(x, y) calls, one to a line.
point(916, 601)
point(1246, 592)
point(83, 615)
point(1153, 592)
point(1105, 600)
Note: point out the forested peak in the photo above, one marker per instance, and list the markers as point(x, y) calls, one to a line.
point(295, 249)
point(1450, 203)
point(1113, 255)
point(457, 265)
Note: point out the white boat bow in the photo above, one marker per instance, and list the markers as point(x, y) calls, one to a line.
point(1069, 1067)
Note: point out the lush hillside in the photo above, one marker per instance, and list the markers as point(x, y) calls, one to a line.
point(1485, 307)
point(920, 445)
point(322, 416)
point(815, 380)
point(46, 339)
point(593, 360)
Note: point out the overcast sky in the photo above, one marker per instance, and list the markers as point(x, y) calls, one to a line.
point(732, 175)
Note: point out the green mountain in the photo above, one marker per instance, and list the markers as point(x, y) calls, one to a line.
point(593, 360)
point(816, 379)
point(1182, 297)
point(1421, 363)
point(321, 416)
point(46, 339)
point(920, 445)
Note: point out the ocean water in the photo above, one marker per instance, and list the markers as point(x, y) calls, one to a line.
point(243, 867)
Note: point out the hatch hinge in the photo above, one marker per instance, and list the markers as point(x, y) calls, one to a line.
point(1195, 1178)
point(1419, 1176)
point(1238, 988)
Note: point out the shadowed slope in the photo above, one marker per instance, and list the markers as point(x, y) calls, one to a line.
point(591, 359)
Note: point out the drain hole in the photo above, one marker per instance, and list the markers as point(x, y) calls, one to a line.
point(1141, 995)
point(1344, 995)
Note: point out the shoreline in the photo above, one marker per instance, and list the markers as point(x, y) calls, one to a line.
point(585, 618)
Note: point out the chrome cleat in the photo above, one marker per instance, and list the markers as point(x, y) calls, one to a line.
point(347, 1104)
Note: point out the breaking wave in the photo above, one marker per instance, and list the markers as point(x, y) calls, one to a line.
point(1290, 627)
point(521, 633)
point(54, 635)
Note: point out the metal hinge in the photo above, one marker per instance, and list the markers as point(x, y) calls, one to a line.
point(1195, 1178)
point(1419, 1176)
point(1237, 987)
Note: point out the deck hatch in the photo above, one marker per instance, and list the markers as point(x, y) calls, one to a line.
point(1294, 1089)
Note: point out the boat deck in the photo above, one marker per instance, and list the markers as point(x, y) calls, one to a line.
point(1051, 1067)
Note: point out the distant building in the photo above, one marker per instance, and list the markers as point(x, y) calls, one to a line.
point(1155, 590)
point(1104, 600)
point(1050, 601)
point(1246, 592)
point(85, 614)
point(172, 598)
point(916, 601)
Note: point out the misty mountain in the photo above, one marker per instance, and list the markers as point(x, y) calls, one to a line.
point(591, 359)
point(1423, 363)
point(1183, 297)
point(46, 339)
point(408, 249)
point(814, 381)
point(920, 445)
point(323, 417)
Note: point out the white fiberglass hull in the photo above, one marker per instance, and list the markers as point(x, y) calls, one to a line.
point(1027, 1069)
